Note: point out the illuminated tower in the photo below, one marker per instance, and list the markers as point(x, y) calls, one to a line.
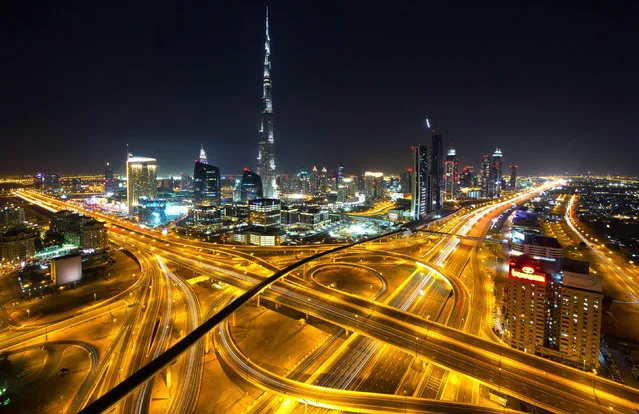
point(266, 155)
point(206, 181)
point(496, 173)
point(484, 177)
point(203, 158)
point(451, 175)
point(110, 185)
point(436, 170)
point(513, 177)
point(140, 177)
point(419, 183)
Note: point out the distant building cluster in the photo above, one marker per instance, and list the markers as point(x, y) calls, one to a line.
point(79, 230)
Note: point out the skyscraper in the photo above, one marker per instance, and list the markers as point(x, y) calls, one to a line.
point(266, 154)
point(484, 177)
point(140, 180)
point(436, 170)
point(419, 183)
point(467, 179)
point(495, 173)
point(314, 181)
point(250, 187)
point(109, 180)
point(451, 175)
point(513, 177)
point(373, 186)
point(206, 181)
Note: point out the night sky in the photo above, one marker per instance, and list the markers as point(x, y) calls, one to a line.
point(556, 87)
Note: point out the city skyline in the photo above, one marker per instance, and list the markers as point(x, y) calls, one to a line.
point(368, 82)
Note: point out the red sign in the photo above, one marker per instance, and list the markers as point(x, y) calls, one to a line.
point(528, 273)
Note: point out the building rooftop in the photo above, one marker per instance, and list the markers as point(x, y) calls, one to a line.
point(582, 281)
point(140, 159)
point(543, 241)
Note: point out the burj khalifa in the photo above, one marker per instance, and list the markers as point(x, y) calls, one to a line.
point(266, 154)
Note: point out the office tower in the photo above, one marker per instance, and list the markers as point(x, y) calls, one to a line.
point(110, 185)
point(206, 181)
point(38, 182)
point(419, 185)
point(340, 176)
point(304, 181)
point(436, 172)
point(314, 181)
point(51, 182)
point(495, 173)
point(345, 189)
point(141, 174)
point(373, 186)
point(250, 187)
point(405, 181)
point(11, 216)
point(265, 215)
point(76, 184)
point(451, 175)
point(186, 182)
point(266, 154)
point(467, 179)
point(513, 177)
point(484, 177)
point(553, 309)
point(323, 180)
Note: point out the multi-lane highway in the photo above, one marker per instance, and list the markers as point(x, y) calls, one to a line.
point(525, 376)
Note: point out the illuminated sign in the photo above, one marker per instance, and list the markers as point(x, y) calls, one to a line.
point(528, 273)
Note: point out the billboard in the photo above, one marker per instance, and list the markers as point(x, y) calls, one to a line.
point(527, 273)
point(67, 269)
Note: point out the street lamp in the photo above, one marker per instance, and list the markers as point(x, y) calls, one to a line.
point(404, 401)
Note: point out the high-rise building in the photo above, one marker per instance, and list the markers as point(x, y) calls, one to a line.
point(314, 182)
point(304, 181)
point(266, 153)
point(51, 182)
point(346, 189)
point(186, 182)
point(206, 181)
point(265, 215)
point(405, 181)
point(141, 173)
point(373, 186)
point(419, 183)
point(496, 174)
point(553, 309)
point(513, 177)
point(250, 187)
point(11, 216)
point(340, 176)
point(110, 185)
point(467, 177)
point(484, 177)
point(436, 170)
point(451, 175)
point(324, 180)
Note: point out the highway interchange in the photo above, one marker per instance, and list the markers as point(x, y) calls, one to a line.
point(428, 336)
